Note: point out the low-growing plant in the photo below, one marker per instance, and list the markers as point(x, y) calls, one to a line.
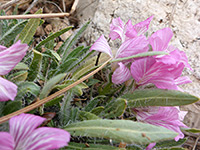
point(129, 100)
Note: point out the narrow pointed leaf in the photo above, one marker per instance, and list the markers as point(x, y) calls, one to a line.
point(121, 130)
point(80, 31)
point(13, 32)
point(19, 76)
point(115, 108)
point(158, 97)
point(21, 66)
point(27, 87)
point(29, 30)
point(50, 85)
point(170, 143)
point(93, 103)
point(97, 110)
point(87, 116)
point(35, 66)
point(54, 35)
point(192, 130)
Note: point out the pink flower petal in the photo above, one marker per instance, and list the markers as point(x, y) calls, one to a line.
point(147, 70)
point(143, 26)
point(183, 80)
point(116, 29)
point(11, 56)
point(6, 141)
point(8, 90)
point(2, 48)
point(167, 117)
point(22, 126)
point(46, 138)
point(101, 45)
point(121, 74)
point(130, 32)
point(150, 146)
point(133, 46)
point(160, 39)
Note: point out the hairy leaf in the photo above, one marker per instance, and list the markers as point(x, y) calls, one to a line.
point(121, 130)
point(158, 97)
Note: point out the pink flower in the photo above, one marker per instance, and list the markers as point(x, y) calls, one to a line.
point(9, 58)
point(163, 76)
point(160, 42)
point(128, 31)
point(168, 117)
point(121, 74)
point(128, 48)
point(25, 135)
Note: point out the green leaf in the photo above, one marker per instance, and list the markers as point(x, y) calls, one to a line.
point(93, 103)
point(75, 52)
point(73, 114)
point(77, 90)
point(19, 76)
point(170, 143)
point(21, 66)
point(29, 30)
point(173, 148)
point(13, 32)
point(12, 106)
point(80, 146)
point(80, 31)
point(115, 108)
point(158, 97)
point(64, 114)
point(34, 68)
point(88, 66)
point(97, 110)
point(145, 54)
point(53, 36)
point(54, 101)
point(192, 130)
point(87, 116)
point(66, 66)
point(121, 130)
point(27, 87)
point(50, 85)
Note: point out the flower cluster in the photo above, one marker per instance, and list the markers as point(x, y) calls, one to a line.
point(164, 71)
point(24, 135)
point(9, 58)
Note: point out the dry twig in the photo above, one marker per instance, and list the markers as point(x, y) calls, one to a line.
point(29, 16)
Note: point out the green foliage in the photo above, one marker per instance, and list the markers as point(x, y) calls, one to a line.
point(11, 106)
point(53, 36)
point(12, 33)
point(35, 66)
point(50, 85)
point(77, 146)
point(121, 131)
point(29, 30)
point(158, 97)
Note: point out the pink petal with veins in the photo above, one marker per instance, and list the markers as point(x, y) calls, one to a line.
point(121, 74)
point(133, 46)
point(6, 141)
point(116, 29)
point(101, 45)
point(143, 26)
point(11, 56)
point(8, 90)
point(160, 39)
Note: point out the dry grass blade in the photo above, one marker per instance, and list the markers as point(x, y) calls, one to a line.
point(9, 4)
point(35, 16)
point(45, 100)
